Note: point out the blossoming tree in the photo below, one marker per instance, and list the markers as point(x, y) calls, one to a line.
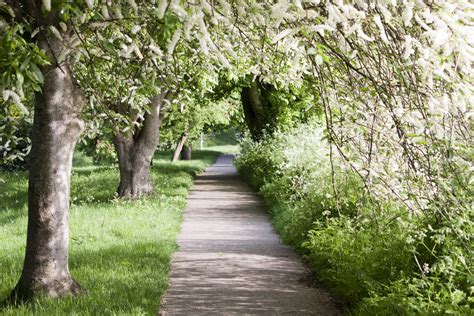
point(394, 79)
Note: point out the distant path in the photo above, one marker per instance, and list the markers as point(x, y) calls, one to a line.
point(230, 260)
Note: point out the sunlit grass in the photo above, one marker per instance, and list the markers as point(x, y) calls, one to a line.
point(227, 149)
point(119, 250)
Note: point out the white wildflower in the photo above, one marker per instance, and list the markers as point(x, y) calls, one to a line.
point(105, 12)
point(379, 24)
point(173, 42)
point(47, 5)
point(90, 4)
point(160, 11)
point(133, 5)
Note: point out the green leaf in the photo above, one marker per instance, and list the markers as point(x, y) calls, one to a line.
point(37, 72)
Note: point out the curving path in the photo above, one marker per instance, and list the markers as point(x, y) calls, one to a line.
point(230, 261)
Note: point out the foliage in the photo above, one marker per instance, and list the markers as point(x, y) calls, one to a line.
point(219, 137)
point(14, 141)
point(120, 250)
point(372, 252)
point(196, 115)
point(393, 80)
point(20, 77)
point(270, 108)
point(142, 49)
point(100, 149)
point(370, 63)
point(20, 61)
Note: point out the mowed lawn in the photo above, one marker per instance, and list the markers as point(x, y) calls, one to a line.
point(119, 250)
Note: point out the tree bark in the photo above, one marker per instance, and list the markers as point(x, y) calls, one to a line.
point(259, 112)
point(56, 129)
point(135, 152)
point(253, 110)
point(186, 152)
point(179, 147)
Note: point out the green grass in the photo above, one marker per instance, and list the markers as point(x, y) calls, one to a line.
point(226, 149)
point(119, 250)
point(218, 138)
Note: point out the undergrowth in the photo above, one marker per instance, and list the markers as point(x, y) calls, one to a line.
point(373, 253)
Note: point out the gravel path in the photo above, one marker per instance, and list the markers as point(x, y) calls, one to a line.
point(230, 261)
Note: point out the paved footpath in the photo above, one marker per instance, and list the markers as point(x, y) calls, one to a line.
point(230, 261)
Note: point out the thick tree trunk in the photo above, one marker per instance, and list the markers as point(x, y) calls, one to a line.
point(258, 108)
point(135, 152)
point(186, 152)
point(253, 110)
point(134, 175)
point(57, 127)
point(179, 147)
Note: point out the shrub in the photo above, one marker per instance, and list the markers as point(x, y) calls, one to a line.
point(15, 142)
point(101, 149)
point(372, 251)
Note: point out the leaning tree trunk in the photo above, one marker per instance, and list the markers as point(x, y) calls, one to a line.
point(56, 129)
point(179, 147)
point(135, 152)
point(186, 152)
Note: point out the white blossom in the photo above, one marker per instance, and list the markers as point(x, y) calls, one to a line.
point(105, 12)
point(173, 42)
point(161, 9)
point(47, 5)
point(7, 94)
point(90, 4)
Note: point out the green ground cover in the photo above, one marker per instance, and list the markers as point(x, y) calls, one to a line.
point(226, 149)
point(119, 250)
point(374, 255)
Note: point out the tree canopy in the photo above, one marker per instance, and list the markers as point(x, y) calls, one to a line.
point(391, 80)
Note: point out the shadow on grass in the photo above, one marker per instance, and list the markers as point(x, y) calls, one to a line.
point(92, 184)
point(123, 279)
point(96, 184)
point(123, 266)
point(92, 169)
point(13, 196)
point(206, 155)
point(167, 168)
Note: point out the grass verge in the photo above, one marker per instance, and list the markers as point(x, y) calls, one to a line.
point(119, 250)
point(226, 149)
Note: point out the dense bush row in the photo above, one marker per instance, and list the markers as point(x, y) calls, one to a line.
point(376, 255)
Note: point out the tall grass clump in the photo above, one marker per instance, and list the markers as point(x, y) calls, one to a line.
point(373, 252)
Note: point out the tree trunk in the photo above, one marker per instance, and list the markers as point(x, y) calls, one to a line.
point(186, 152)
point(258, 108)
point(253, 109)
point(179, 147)
point(56, 129)
point(135, 152)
